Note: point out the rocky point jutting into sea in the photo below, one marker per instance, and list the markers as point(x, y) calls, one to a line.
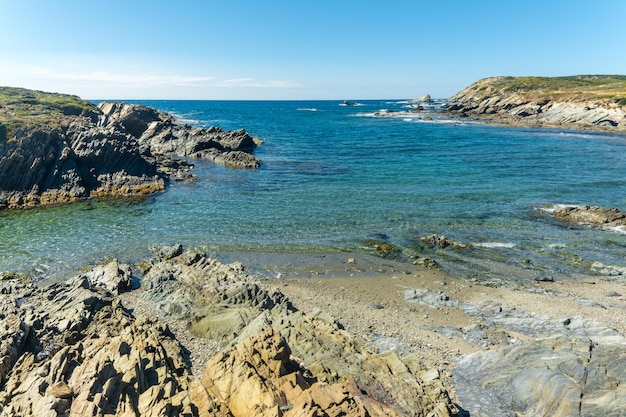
point(578, 102)
point(57, 149)
point(181, 333)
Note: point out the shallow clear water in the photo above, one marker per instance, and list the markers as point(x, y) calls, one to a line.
point(333, 177)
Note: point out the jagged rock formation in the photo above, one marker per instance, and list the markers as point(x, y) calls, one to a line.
point(58, 149)
point(159, 135)
point(73, 349)
point(579, 102)
point(224, 303)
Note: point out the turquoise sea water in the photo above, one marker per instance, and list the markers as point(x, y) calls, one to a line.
point(333, 177)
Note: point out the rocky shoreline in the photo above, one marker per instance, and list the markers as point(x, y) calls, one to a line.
point(183, 334)
point(585, 102)
point(74, 348)
point(579, 102)
point(114, 149)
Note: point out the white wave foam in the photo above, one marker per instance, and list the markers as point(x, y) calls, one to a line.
point(554, 207)
point(495, 245)
point(307, 109)
point(186, 119)
point(366, 114)
point(617, 229)
point(557, 245)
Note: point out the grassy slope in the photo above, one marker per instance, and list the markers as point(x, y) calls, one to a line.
point(598, 88)
point(22, 109)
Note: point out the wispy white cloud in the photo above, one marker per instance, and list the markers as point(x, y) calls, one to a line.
point(250, 82)
point(141, 79)
point(147, 79)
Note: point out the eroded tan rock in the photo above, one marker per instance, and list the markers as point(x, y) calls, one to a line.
point(224, 303)
point(73, 349)
point(262, 368)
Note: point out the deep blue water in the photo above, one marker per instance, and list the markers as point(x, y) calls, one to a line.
point(333, 177)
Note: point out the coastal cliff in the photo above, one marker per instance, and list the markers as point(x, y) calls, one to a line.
point(595, 102)
point(56, 148)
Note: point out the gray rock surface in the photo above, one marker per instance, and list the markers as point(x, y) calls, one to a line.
point(569, 366)
point(159, 135)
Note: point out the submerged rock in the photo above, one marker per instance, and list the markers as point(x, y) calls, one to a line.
point(440, 241)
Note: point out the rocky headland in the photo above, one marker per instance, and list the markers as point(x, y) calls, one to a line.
point(593, 102)
point(56, 148)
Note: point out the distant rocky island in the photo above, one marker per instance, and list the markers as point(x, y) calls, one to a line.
point(57, 148)
point(596, 102)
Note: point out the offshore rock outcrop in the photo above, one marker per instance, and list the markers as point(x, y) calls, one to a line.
point(594, 215)
point(118, 149)
point(579, 102)
point(74, 349)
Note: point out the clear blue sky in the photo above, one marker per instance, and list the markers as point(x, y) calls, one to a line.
point(292, 49)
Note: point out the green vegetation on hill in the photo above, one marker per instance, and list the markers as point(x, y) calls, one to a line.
point(570, 88)
point(22, 109)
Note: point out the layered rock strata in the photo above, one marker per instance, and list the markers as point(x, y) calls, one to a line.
point(571, 366)
point(74, 349)
point(117, 149)
point(583, 102)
